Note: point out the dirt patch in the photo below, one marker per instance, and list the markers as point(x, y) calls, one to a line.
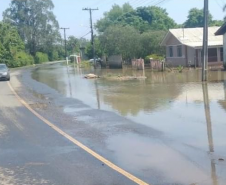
point(39, 106)
point(18, 176)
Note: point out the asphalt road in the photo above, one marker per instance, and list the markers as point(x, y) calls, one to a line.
point(32, 153)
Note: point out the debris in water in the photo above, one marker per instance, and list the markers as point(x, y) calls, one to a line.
point(91, 76)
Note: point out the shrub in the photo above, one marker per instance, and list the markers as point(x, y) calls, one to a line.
point(85, 64)
point(54, 56)
point(41, 57)
point(73, 59)
point(180, 69)
point(21, 59)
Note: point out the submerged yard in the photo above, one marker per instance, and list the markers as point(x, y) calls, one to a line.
point(185, 129)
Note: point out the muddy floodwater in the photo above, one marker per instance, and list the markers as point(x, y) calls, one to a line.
point(190, 114)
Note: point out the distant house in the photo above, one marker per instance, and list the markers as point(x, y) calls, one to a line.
point(222, 31)
point(184, 47)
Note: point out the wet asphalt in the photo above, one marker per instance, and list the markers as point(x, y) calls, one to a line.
point(31, 153)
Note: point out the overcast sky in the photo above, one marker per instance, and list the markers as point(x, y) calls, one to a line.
point(69, 12)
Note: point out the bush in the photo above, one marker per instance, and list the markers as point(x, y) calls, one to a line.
point(73, 59)
point(85, 64)
point(54, 56)
point(41, 57)
point(21, 59)
point(154, 57)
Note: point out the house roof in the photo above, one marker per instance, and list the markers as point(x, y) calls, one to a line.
point(221, 30)
point(193, 37)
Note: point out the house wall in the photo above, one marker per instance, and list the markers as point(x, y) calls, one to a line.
point(175, 61)
point(172, 41)
point(224, 48)
point(199, 57)
point(214, 56)
point(191, 56)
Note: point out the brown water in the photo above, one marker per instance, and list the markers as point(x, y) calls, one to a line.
point(178, 104)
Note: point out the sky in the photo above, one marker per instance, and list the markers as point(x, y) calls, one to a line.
point(69, 13)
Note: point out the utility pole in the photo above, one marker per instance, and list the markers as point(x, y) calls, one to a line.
point(91, 27)
point(65, 40)
point(205, 42)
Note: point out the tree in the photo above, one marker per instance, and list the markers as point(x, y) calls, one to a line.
point(121, 40)
point(150, 43)
point(132, 19)
point(143, 18)
point(12, 47)
point(111, 16)
point(98, 49)
point(157, 17)
point(195, 19)
point(72, 45)
point(35, 22)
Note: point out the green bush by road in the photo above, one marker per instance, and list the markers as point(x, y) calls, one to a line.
point(41, 57)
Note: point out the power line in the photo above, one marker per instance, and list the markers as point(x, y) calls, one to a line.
point(156, 2)
point(85, 35)
point(161, 2)
point(218, 3)
point(139, 2)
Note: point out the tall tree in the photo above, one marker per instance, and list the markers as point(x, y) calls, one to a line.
point(36, 23)
point(12, 47)
point(98, 49)
point(143, 18)
point(195, 19)
point(121, 40)
point(157, 17)
point(150, 43)
point(72, 45)
point(112, 16)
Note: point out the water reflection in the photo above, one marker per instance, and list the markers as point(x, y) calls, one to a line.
point(52, 76)
point(69, 82)
point(208, 116)
point(223, 102)
point(97, 95)
point(168, 102)
point(209, 131)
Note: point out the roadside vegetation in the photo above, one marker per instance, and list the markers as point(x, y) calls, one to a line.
point(137, 33)
point(30, 33)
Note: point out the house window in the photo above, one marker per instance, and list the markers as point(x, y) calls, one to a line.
point(179, 51)
point(171, 51)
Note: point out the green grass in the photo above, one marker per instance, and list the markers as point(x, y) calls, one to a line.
point(83, 64)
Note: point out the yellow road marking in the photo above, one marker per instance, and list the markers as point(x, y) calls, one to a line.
point(76, 142)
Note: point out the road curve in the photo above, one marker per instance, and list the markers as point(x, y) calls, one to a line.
point(32, 153)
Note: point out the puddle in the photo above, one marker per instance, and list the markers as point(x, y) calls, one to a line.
point(170, 161)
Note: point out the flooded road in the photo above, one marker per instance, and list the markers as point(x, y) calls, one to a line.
point(189, 114)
